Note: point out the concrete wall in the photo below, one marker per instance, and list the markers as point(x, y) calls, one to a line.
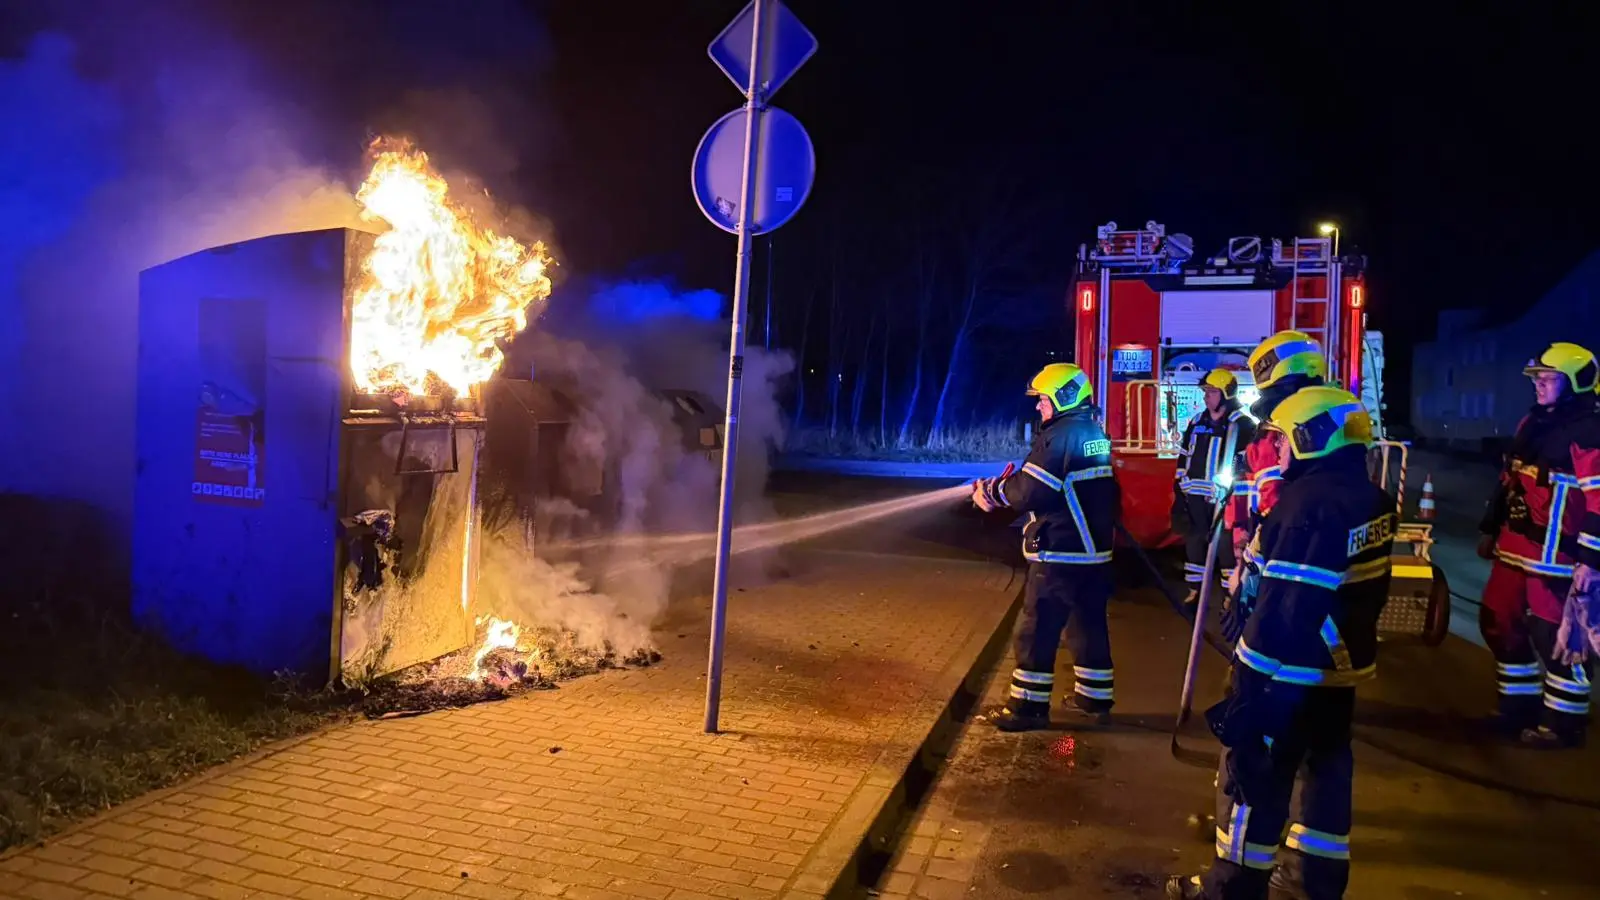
point(1467, 387)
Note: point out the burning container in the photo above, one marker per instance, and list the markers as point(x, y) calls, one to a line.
point(699, 419)
point(283, 520)
point(528, 479)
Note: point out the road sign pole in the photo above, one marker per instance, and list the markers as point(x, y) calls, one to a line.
point(730, 431)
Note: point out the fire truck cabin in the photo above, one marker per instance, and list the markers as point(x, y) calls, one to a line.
point(1152, 319)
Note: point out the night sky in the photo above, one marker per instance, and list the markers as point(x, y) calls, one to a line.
point(1447, 146)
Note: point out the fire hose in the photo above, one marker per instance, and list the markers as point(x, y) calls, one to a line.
point(1439, 768)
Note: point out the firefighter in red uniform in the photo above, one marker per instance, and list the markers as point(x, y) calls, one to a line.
point(1281, 365)
point(1310, 639)
point(1204, 478)
point(1071, 498)
point(1538, 527)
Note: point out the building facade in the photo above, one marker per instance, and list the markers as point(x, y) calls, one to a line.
point(1467, 386)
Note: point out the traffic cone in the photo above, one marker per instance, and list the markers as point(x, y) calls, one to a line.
point(1425, 505)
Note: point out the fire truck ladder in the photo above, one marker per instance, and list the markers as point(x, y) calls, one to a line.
point(1312, 257)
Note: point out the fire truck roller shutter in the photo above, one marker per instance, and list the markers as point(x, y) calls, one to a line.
point(1198, 318)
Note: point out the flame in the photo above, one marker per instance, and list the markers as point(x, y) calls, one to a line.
point(437, 291)
point(501, 635)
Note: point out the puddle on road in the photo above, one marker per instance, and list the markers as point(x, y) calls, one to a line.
point(1035, 872)
point(1141, 884)
point(1032, 872)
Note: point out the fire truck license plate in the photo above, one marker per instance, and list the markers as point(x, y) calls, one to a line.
point(1130, 361)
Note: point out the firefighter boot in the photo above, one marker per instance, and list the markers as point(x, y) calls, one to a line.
point(1184, 887)
point(1502, 728)
point(1546, 738)
point(1086, 710)
point(1285, 884)
point(1022, 715)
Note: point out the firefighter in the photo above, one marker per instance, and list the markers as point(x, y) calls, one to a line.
point(1311, 638)
point(1203, 476)
point(1536, 530)
point(1281, 365)
point(1071, 500)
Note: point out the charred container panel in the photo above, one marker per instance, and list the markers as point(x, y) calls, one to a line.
point(253, 464)
point(407, 594)
point(527, 435)
point(533, 481)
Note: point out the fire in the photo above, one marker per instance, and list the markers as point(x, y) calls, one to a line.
point(501, 635)
point(437, 290)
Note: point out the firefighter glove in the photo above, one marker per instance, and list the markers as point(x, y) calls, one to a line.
point(1236, 612)
point(987, 493)
point(1486, 547)
point(983, 494)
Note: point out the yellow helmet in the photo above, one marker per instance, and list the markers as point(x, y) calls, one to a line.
point(1571, 360)
point(1065, 385)
point(1222, 380)
point(1321, 419)
point(1287, 353)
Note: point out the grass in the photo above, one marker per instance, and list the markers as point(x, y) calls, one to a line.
point(92, 710)
point(981, 444)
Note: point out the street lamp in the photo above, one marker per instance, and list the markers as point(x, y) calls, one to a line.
point(1328, 228)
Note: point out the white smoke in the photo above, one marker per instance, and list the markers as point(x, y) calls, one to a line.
point(612, 361)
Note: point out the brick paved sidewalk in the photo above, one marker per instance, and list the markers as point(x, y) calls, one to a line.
point(604, 788)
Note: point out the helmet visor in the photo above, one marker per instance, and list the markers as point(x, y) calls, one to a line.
point(1065, 397)
point(1262, 368)
point(1315, 436)
point(1310, 438)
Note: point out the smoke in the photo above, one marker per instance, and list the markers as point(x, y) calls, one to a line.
point(138, 133)
point(521, 587)
point(625, 345)
point(613, 350)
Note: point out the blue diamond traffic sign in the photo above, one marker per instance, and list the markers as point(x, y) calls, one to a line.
point(786, 44)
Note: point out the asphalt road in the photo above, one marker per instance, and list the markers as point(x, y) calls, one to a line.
point(1442, 810)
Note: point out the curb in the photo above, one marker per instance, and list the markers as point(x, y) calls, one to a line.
point(857, 844)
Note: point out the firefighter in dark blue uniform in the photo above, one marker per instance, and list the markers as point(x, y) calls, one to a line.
point(1204, 476)
point(1311, 637)
point(1071, 499)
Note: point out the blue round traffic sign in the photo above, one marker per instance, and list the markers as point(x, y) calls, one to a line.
point(786, 166)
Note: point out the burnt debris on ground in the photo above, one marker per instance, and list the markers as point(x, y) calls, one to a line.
point(544, 657)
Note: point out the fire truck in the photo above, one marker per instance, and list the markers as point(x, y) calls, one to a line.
point(1152, 318)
